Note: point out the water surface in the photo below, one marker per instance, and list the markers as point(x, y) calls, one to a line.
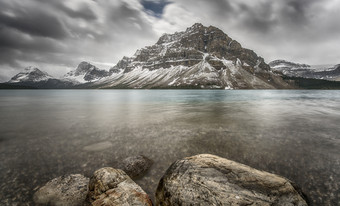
point(48, 133)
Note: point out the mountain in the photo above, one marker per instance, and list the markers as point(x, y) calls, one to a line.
point(199, 57)
point(290, 69)
point(32, 77)
point(30, 74)
point(85, 73)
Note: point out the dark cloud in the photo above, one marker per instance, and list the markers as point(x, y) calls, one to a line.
point(221, 7)
point(10, 38)
point(35, 23)
point(8, 57)
point(83, 12)
point(296, 12)
point(259, 18)
point(15, 45)
point(125, 17)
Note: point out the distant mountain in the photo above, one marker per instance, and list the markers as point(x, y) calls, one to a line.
point(85, 73)
point(325, 72)
point(32, 77)
point(200, 57)
point(30, 74)
point(282, 64)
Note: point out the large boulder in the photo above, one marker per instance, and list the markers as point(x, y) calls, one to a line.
point(211, 180)
point(65, 190)
point(109, 186)
point(136, 166)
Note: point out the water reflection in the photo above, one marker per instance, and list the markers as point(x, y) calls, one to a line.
point(48, 133)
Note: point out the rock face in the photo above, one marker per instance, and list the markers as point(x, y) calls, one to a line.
point(136, 166)
point(109, 186)
point(65, 190)
point(200, 57)
point(211, 180)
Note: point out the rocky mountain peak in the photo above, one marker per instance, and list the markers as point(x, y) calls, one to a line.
point(195, 32)
point(86, 72)
point(84, 67)
point(200, 56)
point(190, 46)
point(31, 69)
point(196, 25)
point(122, 64)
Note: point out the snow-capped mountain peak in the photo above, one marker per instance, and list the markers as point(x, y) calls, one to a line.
point(85, 72)
point(30, 74)
point(199, 57)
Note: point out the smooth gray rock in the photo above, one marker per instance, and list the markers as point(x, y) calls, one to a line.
point(109, 186)
point(136, 166)
point(211, 180)
point(68, 190)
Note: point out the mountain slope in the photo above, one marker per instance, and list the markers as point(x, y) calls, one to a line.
point(200, 57)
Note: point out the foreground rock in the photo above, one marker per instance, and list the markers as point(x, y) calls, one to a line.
point(65, 190)
point(109, 186)
point(211, 180)
point(136, 166)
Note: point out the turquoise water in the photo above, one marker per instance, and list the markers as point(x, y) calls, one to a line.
point(48, 133)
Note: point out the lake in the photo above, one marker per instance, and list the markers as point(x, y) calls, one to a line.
point(49, 133)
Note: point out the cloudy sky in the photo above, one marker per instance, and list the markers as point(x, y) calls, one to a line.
point(55, 35)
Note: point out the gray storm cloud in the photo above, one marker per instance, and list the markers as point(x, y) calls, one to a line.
point(57, 35)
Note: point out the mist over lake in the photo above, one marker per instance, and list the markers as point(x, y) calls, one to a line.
point(48, 133)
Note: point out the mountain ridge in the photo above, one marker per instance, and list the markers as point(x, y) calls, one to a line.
point(291, 69)
point(198, 57)
point(35, 78)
